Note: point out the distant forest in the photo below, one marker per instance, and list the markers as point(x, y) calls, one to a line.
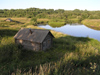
point(76, 14)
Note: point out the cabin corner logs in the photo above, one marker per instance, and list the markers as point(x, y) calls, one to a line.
point(34, 39)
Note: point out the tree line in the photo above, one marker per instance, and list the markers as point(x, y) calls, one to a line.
point(51, 13)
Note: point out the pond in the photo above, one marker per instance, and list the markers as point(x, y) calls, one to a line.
point(77, 30)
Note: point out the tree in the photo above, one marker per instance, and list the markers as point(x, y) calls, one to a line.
point(34, 21)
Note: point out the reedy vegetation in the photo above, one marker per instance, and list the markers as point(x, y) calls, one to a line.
point(92, 23)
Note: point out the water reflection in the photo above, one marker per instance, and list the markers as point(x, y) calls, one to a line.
point(77, 30)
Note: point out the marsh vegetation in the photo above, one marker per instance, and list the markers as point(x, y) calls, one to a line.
point(92, 23)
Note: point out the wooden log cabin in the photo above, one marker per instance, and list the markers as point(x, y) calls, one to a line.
point(34, 39)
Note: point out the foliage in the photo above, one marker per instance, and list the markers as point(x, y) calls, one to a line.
point(51, 14)
point(33, 21)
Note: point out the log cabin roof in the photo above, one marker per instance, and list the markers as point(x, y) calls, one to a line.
point(33, 35)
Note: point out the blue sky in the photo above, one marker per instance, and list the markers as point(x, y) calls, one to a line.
point(51, 4)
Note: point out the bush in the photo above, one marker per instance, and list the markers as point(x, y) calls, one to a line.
point(33, 21)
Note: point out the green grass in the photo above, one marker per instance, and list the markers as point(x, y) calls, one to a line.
point(42, 21)
point(5, 24)
point(68, 56)
point(74, 20)
point(17, 23)
point(56, 24)
point(92, 23)
point(57, 20)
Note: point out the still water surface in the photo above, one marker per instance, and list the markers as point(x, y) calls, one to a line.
point(75, 30)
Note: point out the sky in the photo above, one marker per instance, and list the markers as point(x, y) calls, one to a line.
point(51, 4)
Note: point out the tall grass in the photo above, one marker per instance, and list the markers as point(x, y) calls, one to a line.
point(16, 23)
point(92, 23)
point(76, 58)
point(56, 24)
point(69, 55)
point(42, 21)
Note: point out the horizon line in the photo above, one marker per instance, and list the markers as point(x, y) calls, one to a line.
point(48, 9)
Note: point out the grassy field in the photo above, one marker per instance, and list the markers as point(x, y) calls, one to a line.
point(56, 24)
point(92, 23)
point(68, 56)
point(18, 23)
